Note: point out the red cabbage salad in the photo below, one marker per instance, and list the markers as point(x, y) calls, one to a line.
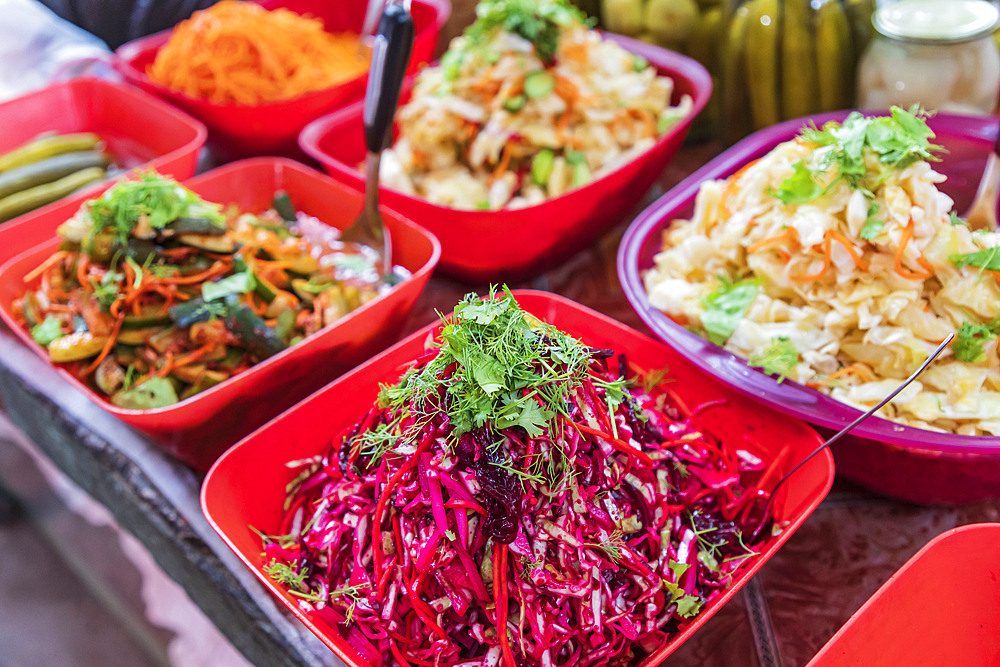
point(519, 498)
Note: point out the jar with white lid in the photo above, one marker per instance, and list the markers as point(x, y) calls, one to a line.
point(938, 53)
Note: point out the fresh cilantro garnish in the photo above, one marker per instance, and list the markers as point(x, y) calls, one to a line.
point(968, 344)
point(779, 358)
point(159, 198)
point(106, 290)
point(897, 141)
point(678, 568)
point(725, 307)
point(538, 21)
point(799, 188)
point(957, 221)
point(238, 283)
point(688, 606)
point(988, 259)
point(873, 226)
point(47, 331)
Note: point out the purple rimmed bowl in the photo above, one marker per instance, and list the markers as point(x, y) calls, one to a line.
point(908, 463)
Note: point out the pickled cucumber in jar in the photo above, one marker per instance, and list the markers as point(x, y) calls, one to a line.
point(782, 59)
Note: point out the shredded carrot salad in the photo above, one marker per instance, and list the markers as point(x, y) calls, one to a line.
point(240, 53)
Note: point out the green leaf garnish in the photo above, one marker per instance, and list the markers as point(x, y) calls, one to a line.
point(799, 188)
point(988, 259)
point(968, 343)
point(957, 221)
point(873, 226)
point(688, 606)
point(725, 307)
point(779, 358)
point(238, 283)
point(160, 199)
point(47, 331)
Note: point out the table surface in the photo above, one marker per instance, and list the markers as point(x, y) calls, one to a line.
point(848, 548)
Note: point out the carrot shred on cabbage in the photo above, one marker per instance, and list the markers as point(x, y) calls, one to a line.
point(240, 53)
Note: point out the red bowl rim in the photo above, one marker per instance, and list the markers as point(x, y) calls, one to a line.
point(426, 269)
point(989, 529)
point(125, 55)
point(802, 402)
point(670, 63)
point(808, 507)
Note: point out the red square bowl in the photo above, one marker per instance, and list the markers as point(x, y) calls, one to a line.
point(513, 244)
point(198, 429)
point(138, 129)
point(941, 608)
point(246, 487)
point(905, 462)
point(271, 129)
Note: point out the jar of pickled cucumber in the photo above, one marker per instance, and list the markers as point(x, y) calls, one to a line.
point(938, 53)
point(782, 59)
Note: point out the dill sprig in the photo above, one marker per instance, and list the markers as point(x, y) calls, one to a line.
point(160, 199)
point(779, 358)
point(612, 546)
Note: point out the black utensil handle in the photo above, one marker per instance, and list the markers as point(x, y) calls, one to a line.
point(390, 56)
point(996, 146)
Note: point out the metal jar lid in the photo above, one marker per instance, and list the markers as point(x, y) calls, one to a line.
point(937, 21)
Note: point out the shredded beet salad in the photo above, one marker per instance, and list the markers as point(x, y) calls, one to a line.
point(515, 478)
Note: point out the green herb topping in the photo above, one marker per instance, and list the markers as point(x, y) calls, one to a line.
point(725, 307)
point(159, 198)
point(779, 358)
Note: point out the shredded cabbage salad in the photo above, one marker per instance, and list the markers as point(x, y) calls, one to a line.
point(520, 498)
point(835, 261)
point(527, 104)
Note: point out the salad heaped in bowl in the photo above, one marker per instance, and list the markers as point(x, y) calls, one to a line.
point(527, 104)
point(156, 295)
point(836, 261)
point(517, 498)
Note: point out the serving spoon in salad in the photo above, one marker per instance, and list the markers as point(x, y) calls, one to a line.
point(390, 54)
point(847, 429)
point(983, 212)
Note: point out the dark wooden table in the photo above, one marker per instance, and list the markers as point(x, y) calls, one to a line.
point(843, 553)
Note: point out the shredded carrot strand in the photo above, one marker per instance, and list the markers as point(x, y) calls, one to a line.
point(731, 186)
point(898, 259)
point(215, 269)
point(107, 347)
point(504, 162)
point(788, 235)
point(826, 263)
point(844, 241)
point(46, 265)
point(240, 53)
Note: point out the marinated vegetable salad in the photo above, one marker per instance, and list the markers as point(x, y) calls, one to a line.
point(156, 295)
point(527, 104)
point(515, 478)
point(835, 261)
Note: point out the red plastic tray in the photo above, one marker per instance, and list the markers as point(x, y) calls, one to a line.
point(198, 429)
point(271, 129)
point(902, 461)
point(246, 487)
point(941, 608)
point(138, 128)
point(494, 245)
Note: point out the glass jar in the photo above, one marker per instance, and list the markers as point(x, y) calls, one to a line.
point(783, 59)
point(938, 53)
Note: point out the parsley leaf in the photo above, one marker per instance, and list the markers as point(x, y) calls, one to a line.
point(968, 344)
point(988, 259)
point(47, 331)
point(798, 188)
point(238, 283)
point(957, 221)
point(779, 358)
point(688, 606)
point(725, 307)
point(538, 21)
point(873, 226)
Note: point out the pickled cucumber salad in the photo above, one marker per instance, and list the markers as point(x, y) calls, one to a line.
point(156, 295)
point(835, 261)
point(526, 105)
